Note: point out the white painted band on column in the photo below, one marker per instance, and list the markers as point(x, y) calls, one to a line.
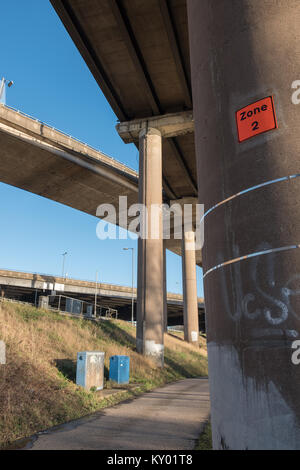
point(189, 238)
point(194, 335)
point(2, 352)
point(251, 255)
point(252, 188)
point(153, 348)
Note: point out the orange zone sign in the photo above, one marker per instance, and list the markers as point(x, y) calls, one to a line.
point(256, 118)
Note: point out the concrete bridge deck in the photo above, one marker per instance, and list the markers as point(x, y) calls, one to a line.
point(23, 286)
point(45, 161)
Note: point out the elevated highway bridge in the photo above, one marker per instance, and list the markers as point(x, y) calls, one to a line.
point(45, 161)
point(28, 287)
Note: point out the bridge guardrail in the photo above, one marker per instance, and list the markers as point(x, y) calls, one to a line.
point(76, 281)
point(120, 164)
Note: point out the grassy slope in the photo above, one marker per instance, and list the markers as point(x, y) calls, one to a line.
point(37, 385)
point(205, 439)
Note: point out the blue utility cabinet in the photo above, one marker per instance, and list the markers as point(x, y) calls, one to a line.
point(119, 369)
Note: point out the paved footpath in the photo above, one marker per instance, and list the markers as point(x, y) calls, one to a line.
point(168, 418)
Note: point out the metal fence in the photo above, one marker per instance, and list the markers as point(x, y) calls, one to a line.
point(63, 303)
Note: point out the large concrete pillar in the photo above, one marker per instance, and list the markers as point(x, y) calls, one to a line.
point(243, 51)
point(150, 313)
point(165, 286)
point(189, 283)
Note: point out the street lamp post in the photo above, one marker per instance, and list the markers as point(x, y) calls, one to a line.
point(2, 89)
point(63, 264)
point(95, 313)
point(132, 291)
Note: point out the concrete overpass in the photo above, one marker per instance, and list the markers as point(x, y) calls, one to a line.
point(29, 286)
point(57, 166)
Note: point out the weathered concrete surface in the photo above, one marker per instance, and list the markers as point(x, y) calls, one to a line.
point(168, 418)
point(242, 51)
point(2, 352)
point(23, 286)
point(75, 286)
point(150, 297)
point(165, 293)
point(189, 282)
point(90, 369)
point(169, 125)
point(37, 158)
point(138, 52)
point(44, 161)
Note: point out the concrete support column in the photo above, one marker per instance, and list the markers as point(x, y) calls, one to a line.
point(165, 287)
point(243, 51)
point(189, 283)
point(150, 302)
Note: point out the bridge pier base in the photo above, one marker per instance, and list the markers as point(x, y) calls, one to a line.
point(189, 282)
point(165, 287)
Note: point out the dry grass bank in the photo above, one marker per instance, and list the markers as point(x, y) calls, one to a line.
point(37, 385)
point(205, 439)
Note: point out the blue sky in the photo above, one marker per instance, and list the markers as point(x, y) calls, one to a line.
point(53, 84)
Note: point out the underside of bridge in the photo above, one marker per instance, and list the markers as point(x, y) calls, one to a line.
point(138, 52)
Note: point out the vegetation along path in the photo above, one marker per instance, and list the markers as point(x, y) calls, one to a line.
point(38, 387)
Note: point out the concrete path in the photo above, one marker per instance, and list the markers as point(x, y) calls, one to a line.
point(168, 418)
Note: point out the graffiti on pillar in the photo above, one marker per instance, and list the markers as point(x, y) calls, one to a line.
point(270, 300)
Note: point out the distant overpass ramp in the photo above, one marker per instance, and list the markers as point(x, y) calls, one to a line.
point(56, 166)
point(24, 286)
point(47, 162)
